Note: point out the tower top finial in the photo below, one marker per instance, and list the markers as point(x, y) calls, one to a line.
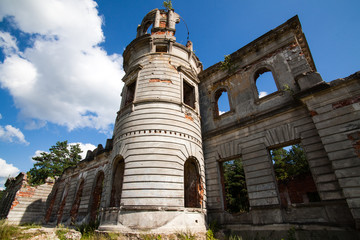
point(162, 21)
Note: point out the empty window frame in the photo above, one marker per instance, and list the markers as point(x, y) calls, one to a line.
point(130, 93)
point(222, 103)
point(161, 48)
point(193, 190)
point(293, 176)
point(188, 94)
point(265, 82)
point(236, 199)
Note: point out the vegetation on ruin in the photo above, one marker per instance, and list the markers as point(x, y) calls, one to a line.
point(53, 163)
point(7, 231)
point(168, 5)
point(227, 64)
point(289, 163)
point(235, 186)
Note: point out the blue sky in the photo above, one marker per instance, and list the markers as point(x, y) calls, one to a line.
point(61, 62)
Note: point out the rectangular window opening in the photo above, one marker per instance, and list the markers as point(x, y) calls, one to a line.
point(295, 182)
point(189, 94)
point(235, 193)
point(161, 48)
point(130, 93)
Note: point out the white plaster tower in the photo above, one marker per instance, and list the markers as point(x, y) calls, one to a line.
point(158, 177)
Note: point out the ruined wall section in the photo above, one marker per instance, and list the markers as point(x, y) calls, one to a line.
point(335, 111)
point(254, 125)
point(23, 203)
point(65, 193)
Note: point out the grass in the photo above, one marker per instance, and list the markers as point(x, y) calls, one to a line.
point(60, 233)
point(8, 231)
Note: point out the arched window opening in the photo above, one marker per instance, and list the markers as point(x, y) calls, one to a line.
point(130, 93)
point(265, 82)
point(293, 176)
point(147, 28)
point(96, 197)
point(76, 204)
point(189, 94)
point(117, 182)
point(222, 104)
point(192, 184)
point(236, 199)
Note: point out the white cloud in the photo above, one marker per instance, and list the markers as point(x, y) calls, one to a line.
point(221, 112)
point(7, 170)
point(0, 116)
point(8, 43)
point(84, 147)
point(65, 77)
point(12, 134)
point(263, 94)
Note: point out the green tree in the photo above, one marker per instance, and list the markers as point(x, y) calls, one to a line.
point(54, 162)
point(289, 163)
point(236, 195)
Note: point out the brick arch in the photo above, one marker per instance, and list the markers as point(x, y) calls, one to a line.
point(51, 206)
point(76, 204)
point(96, 196)
point(118, 169)
point(63, 202)
point(193, 189)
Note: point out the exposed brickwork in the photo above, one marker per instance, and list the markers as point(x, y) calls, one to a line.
point(346, 102)
point(355, 138)
point(160, 80)
point(96, 197)
point(313, 113)
point(75, 208)
point(297, 190)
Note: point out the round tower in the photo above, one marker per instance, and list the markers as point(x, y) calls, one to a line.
point(158, 176)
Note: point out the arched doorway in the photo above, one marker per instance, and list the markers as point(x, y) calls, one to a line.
point(192, 184)
point(117, 182)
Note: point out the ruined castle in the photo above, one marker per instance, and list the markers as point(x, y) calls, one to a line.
point(164, 168)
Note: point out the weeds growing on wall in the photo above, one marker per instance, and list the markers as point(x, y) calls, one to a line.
point(168, 5)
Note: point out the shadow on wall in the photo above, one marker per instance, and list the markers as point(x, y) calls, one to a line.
point(34, 212)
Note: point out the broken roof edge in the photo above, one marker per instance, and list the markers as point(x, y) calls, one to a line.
point(293, 24)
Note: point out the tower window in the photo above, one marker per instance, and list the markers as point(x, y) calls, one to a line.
point(293, 176)
point(222, 104)
point(130, 93)
point(189, 94)
point(265, 82)
point(161, 48)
